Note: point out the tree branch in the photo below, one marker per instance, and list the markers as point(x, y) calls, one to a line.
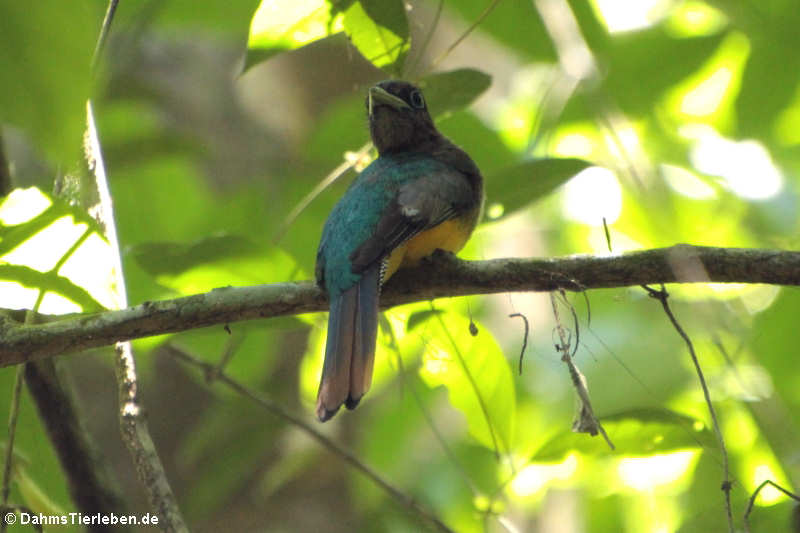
point(443, 276)
point(213, 373)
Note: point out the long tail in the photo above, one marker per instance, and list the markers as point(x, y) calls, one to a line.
point(350, 348)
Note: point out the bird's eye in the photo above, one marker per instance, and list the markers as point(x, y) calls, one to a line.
point(417, 100)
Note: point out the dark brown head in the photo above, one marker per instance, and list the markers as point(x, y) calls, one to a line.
point(398, 118)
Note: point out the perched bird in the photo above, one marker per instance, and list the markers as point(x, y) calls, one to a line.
point(421, 194)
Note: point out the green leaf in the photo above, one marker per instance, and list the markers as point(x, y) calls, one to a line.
point(517, 25)
point(51, 282)
point(482, 143)
point(379, 29)
point(176, 257)
point(47, 244)
point(477, 377)
point(519, 185)
point(46, 54)
point(21, 204)
point(227, 18)
point(446, 92)
point(638, 82)
point(420, 317)
point(634, 432)
point(211, 262)
point(279, 26)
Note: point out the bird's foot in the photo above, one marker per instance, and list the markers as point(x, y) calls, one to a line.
point(438, 257)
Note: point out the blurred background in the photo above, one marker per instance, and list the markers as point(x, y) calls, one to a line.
point(674, 121)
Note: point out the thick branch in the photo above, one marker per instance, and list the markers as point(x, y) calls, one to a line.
point(446, 276)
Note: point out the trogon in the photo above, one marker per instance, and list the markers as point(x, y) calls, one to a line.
point(421, 194)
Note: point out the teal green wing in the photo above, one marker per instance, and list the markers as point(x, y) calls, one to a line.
point(390, 201)
point(438, 193)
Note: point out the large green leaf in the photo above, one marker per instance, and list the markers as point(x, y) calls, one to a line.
point(477, 377)
point(526, 182)
point(634, 432)
point(515, 24)
point(226, 18)
point(45, 56)
point(482, 143)
point(774, 348)
point(637, 82)
point(214, 261)
point(447, 92)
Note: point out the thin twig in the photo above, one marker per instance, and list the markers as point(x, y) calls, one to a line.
point(608, 234)
point(563, 295)
point(279, 411)
point(5, 170)
point(326, 182)
point(753, 497)
point(467, 32)
point(662, 296)
point(428, 35)
point(587, 421)
point(231, 346)
point(524, 337)
point(101, 40)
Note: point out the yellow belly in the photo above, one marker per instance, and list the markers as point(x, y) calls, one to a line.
point(450, 235)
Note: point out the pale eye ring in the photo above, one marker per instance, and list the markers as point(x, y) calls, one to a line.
point(416, 99)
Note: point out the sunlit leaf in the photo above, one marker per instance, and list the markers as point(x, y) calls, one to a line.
point(26, 212)
point(519, 185)
point(280, 25)
point(477, 377)
point(635, 432)
point(446, 92)
point(709, 94)
point(638, 81)
point(50, 282)
point(379, 29)
point(48, 245)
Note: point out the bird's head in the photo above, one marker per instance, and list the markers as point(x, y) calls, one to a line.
point(398, 117)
